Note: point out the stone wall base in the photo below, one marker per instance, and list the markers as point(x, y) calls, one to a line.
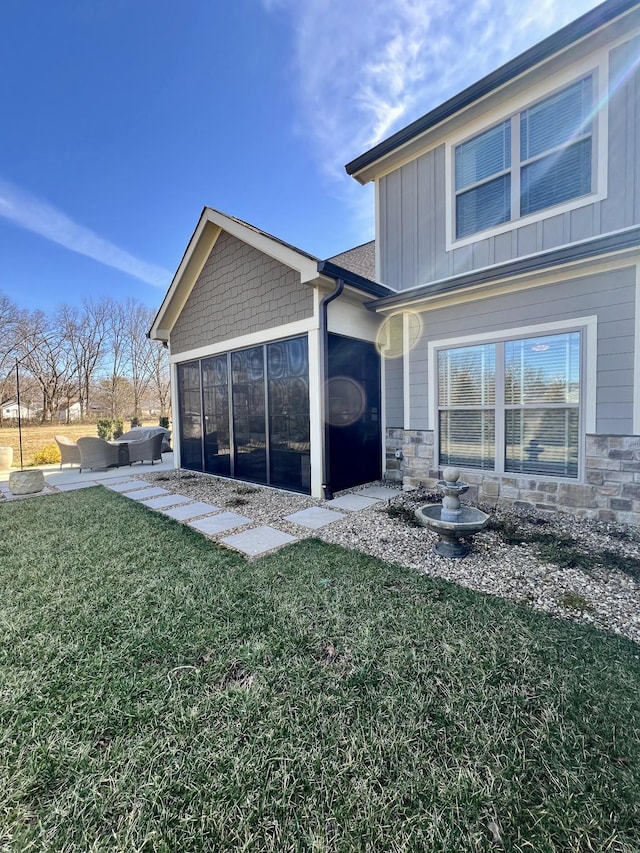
point(611, 491)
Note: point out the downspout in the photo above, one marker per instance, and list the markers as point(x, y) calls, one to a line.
point(324, 361)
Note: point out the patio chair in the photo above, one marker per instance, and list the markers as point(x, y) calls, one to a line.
point(149, 448)
point(69, 452)
point(97, 453)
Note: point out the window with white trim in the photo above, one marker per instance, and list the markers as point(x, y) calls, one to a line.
point(538, 158)
point(511, 406)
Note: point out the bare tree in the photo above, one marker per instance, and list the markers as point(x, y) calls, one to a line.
point(41, 350)
point(86, 333)
point(116, 366)
point(160, 378)
point(140, 351)
point(9, 314)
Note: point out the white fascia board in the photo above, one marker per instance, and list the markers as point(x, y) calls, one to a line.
point(193, 260)
point(306, 266)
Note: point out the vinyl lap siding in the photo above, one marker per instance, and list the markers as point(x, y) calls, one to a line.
point(610, 296)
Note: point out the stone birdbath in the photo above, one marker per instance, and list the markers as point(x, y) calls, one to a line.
point(450, 520)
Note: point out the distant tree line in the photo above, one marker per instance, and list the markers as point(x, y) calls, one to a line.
point(93, 360)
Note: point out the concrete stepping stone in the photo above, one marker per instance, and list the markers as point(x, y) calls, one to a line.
point(145, 494)
point(258, 540)
point(126, 486)
point(314, 517)
point(193, 510)
point(381, 492)
point(69, 487)
point(169, 500)
point(353, 503)
point(213, 524)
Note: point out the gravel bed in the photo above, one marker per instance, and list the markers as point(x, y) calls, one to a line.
point(606, 598)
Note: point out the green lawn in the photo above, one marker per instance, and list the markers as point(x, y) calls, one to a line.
point(160, 694)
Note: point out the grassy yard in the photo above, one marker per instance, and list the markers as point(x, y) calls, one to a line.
point(160, 694)
point(34, 438)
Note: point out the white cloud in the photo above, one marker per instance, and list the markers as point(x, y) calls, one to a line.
point(365, 68)
point(34, 214)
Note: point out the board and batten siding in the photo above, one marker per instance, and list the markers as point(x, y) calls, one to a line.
point(239, 291)
point(609, 296)
point(413, 209)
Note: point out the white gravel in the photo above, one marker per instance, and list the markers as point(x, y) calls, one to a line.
point(608, 599)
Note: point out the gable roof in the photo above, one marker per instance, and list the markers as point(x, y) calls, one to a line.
point(573, 32)
point(210, 225)
point(355, 266)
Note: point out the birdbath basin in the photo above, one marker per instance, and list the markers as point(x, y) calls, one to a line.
point(471, 520)
point(450, 520)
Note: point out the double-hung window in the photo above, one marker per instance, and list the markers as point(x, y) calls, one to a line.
point(536, 159)
point(511, 406)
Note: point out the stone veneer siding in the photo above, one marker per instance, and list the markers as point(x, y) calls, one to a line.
point(611, 491)
point(239, 291)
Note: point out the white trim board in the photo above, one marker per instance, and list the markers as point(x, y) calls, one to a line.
point(275, 333)
point(636, 359)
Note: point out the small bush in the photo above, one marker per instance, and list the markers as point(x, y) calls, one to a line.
point(236, 501)
point(47, 455)
point(574, 601)
point(105, 428)
point(118, 427)
point(164, 422)
point(135, 422)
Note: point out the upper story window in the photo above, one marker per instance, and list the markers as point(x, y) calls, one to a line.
point(538, 158)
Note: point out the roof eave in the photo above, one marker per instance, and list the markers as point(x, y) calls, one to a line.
point(556, 42)
point(352, 279)
point(625, 240)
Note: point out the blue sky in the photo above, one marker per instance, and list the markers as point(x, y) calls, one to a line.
point(121, 119)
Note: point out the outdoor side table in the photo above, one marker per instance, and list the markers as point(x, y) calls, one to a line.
point(123, 452)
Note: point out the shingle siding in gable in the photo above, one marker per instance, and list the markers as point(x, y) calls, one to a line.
point(239, 291)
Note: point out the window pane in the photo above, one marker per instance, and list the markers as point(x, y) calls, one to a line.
point(467, 439)
point(289, 437)
point(484, 206)
point(250, 439)
point(190, 408)
point(215, 392)
point(545, 369)
point(483, 156)
point(556, 178)
point(466, 376)
point(539, 441)
point(556, 120)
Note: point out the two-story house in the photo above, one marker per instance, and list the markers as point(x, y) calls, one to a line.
point(493, 326)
